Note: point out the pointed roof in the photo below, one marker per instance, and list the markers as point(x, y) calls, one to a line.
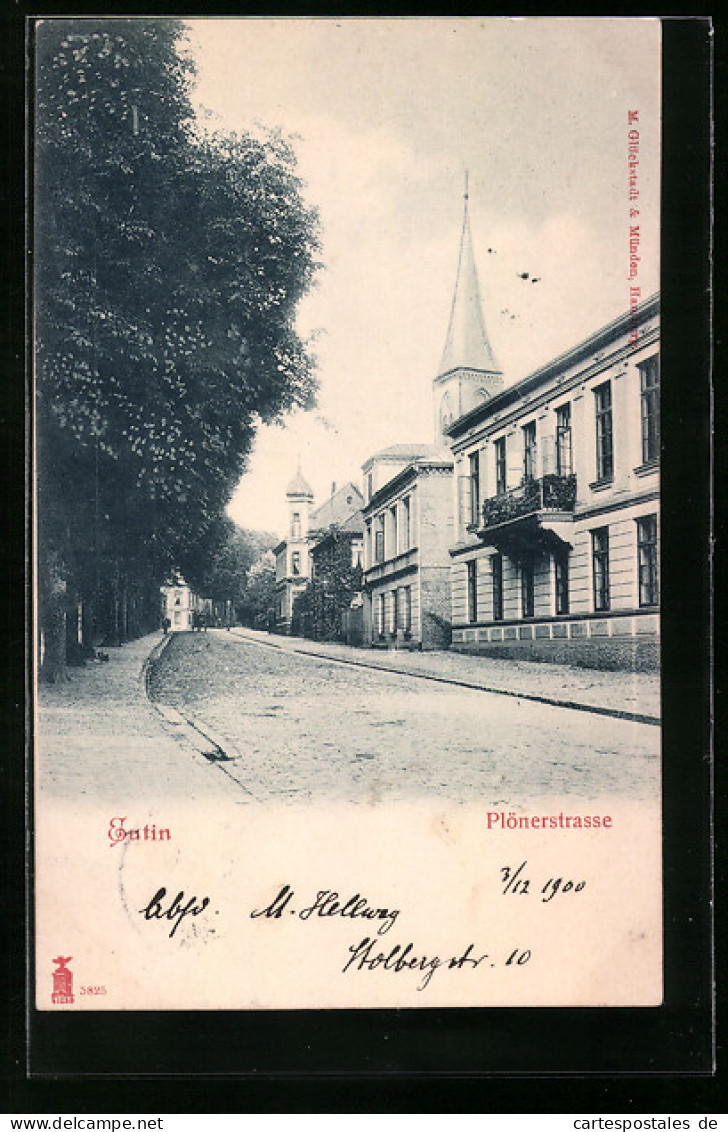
point(299, 486)
point(467, 345)
point(343, 503)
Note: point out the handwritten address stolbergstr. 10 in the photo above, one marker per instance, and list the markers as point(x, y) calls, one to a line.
point(369, 954)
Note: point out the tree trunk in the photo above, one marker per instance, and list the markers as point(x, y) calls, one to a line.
point(52, 616)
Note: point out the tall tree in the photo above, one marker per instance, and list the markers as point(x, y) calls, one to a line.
point(169, 265)
point(227, 570)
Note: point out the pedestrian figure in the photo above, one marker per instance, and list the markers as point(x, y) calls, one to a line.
point(166, 625)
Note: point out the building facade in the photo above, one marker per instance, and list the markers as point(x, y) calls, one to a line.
point(292, 566)
point(408, 530)
point(306, 526)
point(181, 606)
point(557, 507)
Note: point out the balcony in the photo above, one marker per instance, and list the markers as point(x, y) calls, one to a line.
point(536, 514)
point(399, 564)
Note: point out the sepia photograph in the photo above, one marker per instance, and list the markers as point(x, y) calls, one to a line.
point(346, 421)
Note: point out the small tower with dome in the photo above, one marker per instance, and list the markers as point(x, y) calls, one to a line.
point(299, 496)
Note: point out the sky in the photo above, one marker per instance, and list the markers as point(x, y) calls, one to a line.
point(387, 116)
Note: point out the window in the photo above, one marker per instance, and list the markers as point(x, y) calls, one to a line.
point(529, 450)
point(368, 542)
point(600, 568)
point(356, 555)
point(393, 513)
point(295, 525)
point(605, 454)
point(407, 609)
point(472, 590)
point(647, 560)
point(474, 487)
point(406, 534)
point(393, 614)
point(381, 615)
point(564, 464)
point(496, 565)
point(527, 588)
point(500, 465)
point(370, 486)
point(379, 540)
point(561, 581)
point(296, 562)
point(650, 408)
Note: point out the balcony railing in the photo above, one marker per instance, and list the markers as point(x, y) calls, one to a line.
point(551, 493)
point(402, 561)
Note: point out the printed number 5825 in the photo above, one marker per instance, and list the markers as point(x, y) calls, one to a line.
point(93, 990)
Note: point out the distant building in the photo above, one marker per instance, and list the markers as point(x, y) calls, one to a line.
point(181, 605)
point(292, 552)
point(306, 526)
point(408, 531)
point(556, 555)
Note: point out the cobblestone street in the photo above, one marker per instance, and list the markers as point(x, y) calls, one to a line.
point(298, 727)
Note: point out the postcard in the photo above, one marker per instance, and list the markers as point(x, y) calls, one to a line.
point(347, 539)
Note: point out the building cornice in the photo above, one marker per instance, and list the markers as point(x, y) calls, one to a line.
point(530, 384)
point(403, 479)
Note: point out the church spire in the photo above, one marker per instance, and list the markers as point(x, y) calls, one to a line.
point(467, 345)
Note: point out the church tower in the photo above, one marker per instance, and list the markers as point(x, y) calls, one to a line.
point(300, 497)
point(469, 373)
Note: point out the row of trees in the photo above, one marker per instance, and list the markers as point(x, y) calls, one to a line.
point(169, 262)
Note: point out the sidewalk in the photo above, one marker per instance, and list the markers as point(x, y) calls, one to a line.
point(613, 692)
point(98, 735)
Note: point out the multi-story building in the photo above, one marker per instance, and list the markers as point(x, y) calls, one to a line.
point(306, 525)
point(182, 607)
point(557, 501)
point(292, 552)
point(407, 533)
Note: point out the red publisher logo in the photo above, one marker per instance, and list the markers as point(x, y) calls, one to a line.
point(62, 980)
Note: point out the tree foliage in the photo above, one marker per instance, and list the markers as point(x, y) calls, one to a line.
point(169, 264)
point(226, 575)
point(317, 612)
point(258, 606)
